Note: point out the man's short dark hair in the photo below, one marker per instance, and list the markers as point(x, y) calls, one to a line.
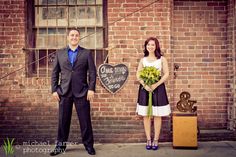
point(71, 29)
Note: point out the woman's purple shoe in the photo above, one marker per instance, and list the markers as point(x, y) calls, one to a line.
point(149, 145)
point(155, 145)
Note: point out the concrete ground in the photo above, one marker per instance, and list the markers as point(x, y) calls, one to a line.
point(205, 149)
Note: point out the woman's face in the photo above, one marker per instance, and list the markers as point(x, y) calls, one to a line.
point(151, 46)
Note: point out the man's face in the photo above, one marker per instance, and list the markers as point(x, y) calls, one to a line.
point(73, 38)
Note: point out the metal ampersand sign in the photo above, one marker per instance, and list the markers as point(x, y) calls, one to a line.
point(186, 105)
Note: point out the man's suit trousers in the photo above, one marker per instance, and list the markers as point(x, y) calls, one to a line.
point(82, 106)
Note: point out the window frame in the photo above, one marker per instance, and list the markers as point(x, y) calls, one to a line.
point(33, 61)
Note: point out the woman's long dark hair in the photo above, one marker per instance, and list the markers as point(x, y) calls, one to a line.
point(157, 51)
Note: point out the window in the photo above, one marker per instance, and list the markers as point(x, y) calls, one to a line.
point(47, 27)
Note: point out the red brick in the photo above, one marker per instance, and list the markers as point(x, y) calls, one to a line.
point(198, 36)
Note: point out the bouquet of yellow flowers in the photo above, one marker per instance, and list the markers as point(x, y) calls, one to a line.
point(150, 75)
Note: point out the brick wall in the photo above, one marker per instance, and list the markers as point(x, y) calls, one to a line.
point(199, 46)
point(231, 43)
point(27, 111)
point(200, 49)
point(126, 39)
point(234, 61)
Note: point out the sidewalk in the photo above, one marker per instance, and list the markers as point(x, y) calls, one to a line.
point(205, 149)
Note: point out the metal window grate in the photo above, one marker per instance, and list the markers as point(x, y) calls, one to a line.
point(49, 25)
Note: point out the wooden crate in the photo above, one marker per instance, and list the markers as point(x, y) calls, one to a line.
point(184, 130)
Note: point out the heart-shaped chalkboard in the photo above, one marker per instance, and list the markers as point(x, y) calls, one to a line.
point(113, 77)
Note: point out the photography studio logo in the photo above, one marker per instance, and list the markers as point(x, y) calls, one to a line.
point(8, 146)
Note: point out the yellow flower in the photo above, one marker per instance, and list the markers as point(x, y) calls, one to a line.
point(150, 75)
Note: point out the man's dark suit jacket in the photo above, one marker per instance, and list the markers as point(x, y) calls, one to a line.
point(73, 80)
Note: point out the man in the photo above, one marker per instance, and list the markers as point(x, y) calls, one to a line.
point(71, 85)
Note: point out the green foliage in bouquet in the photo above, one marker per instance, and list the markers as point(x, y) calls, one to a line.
point(150, 75)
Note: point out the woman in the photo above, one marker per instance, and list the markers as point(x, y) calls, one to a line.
point(160, 103)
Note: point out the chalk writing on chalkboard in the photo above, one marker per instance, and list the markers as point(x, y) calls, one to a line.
point(112, 77)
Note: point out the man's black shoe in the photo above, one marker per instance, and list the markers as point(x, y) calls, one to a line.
point(90, 150)
point(58, 150)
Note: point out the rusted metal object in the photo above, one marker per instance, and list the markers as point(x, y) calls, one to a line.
point(186, 105)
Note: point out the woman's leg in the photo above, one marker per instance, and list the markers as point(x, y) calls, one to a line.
point(157, 127)
point(157, 130)
point(147, 126)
